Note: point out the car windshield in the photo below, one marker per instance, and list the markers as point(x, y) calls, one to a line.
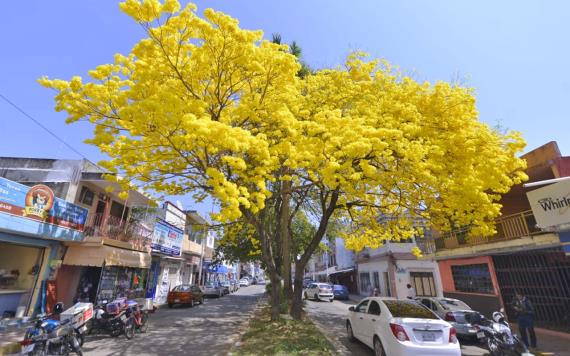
point(181, 289)
point(453, 304)
point(339, 287)
point(408, 309)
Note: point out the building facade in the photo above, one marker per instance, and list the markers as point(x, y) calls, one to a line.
point(485, 272)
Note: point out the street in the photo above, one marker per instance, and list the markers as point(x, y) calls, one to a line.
point(333, 315)
point(202, 330)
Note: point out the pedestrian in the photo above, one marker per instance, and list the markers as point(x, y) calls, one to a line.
point(411, 291)
point(375, 293)
point(525, 318)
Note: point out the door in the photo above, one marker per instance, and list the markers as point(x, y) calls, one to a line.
point(99, 213)
point(358, 321)
point(387, 285)
point(423, 283)
point(370, 321)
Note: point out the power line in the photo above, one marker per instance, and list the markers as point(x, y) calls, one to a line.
point(42, 126)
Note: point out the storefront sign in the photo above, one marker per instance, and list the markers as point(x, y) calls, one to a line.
point(35, 210)
point(167, 238)
point(551, 205)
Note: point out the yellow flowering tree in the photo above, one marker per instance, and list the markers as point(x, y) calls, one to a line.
point(204, 107)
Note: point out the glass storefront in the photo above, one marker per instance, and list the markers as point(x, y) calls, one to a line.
point(19, 269)
point(119, 281)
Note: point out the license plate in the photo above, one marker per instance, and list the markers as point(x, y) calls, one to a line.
point(29, 348)
point(480, 335)
point(176, 300)
point(428, 337)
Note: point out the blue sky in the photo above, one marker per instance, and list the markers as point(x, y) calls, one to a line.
point(514, 53)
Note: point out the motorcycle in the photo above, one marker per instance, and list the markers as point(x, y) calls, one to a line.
point(499, 338)
point(140, 316)
point(51, 337)
point(115, 318)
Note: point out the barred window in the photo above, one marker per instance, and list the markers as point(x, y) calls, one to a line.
point(472, 278)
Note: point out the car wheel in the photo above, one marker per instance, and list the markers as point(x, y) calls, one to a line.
point(349, 332)
point(331, 300)
point(170, 305)
point(202, 300)
point(316, 297)
point(378, 348)
point(305, 295)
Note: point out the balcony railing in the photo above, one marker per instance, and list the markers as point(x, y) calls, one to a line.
point(111, 227)
point(508, 228)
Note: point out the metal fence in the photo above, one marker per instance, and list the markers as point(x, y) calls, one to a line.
point(112, 227)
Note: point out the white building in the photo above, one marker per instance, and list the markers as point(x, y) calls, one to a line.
point(391, 267)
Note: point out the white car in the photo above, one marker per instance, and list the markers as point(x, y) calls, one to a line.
point(319, 291)
point(401, 327)
point(244, 282)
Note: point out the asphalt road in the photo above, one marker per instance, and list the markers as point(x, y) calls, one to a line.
point(202, 330)
point(332, 316)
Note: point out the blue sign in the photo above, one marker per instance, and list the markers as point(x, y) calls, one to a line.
point(167, 238)
point(36, 211)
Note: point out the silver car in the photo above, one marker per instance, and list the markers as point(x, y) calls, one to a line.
point(456, 312)
point(213, 289)
point(319, 291)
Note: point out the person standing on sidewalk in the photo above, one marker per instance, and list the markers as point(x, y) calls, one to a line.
point(525, 318)
point(411, 292)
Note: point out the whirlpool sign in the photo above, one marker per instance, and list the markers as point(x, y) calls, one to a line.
point(551, 205)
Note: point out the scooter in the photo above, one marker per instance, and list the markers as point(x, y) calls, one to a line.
point(114, 318)
point(51, 337)
point(500, 340)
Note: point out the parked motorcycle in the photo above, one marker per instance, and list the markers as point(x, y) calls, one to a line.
point(499, 338)
point(115, 318)
point(51, 337)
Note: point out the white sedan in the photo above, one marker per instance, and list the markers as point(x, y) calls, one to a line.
point(320, 291)
point(244, 282)
point(401, 327)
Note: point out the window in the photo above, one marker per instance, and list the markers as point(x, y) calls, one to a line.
point(387, 284)
point(408, 309)
point(361, 308)
point(374, 308)
point(376, 277)
point(86, 197)
point(365, 282)
point(423, 284)
point(182, 288)
point(428, 303)
point(472, 278)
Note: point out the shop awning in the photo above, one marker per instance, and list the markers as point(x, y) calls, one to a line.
point(111, 256)
point(343, 271)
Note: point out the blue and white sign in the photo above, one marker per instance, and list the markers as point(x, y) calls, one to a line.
point(36, 211)
point(167, 238)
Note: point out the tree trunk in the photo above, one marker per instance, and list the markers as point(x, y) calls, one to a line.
point(275, 296)
point(286, 239)
point(297, 300)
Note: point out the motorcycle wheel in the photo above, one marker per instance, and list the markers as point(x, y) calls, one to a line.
point(80, 337)
point(115, 332)
point(144, 323)
point(130, 329)
point(494, 349)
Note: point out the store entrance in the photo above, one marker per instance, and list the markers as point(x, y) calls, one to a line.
point(19, 270)
point(88, 284)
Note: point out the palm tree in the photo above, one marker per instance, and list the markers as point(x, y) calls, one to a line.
point(295, 50)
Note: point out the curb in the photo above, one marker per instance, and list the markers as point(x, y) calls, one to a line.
point(235, 339)
point(337, 344)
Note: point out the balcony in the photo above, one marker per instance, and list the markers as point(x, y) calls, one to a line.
point(508, 228)
point(191, 246)
point(138, 235)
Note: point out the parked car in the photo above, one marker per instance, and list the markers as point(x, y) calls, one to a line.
point(226, 287)
point(261, 280)
point(400, 327)
point(213, 289)
point(320, 291)
point(185, 294)
point(456, 312)
point(340, 292)
point(244, 282)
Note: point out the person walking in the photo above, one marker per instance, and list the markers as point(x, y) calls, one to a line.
point(525, 318)
point(411, 292)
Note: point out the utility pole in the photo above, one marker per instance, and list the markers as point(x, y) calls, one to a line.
point(203, 241)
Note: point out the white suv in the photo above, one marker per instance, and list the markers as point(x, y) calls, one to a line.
point(320, 291)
